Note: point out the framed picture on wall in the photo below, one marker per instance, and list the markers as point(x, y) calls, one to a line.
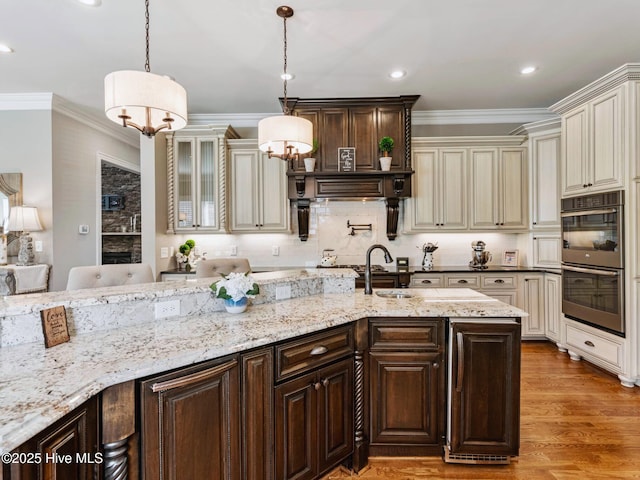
point(510, 258)
point(347, 159)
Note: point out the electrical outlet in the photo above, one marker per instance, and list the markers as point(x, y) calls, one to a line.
point(275, 250)
point(234, 250)
point(170, 308)
point(283, 292)
point(164, 252)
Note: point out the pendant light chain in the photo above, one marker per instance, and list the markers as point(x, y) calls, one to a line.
point(147, 68)
point(286, 105)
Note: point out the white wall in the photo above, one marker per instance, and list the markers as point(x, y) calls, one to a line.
point(75, 152)
point(25, 147)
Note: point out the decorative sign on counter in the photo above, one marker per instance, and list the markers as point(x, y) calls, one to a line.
point(347, 159)
point(54, 326)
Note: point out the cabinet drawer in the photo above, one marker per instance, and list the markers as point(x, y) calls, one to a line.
point(596, 345)
point(405, 334)
point(499, 281)
point(426, 280)
point(467, 281)
point(311, 351)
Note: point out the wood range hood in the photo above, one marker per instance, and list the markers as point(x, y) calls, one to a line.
point(357, 122)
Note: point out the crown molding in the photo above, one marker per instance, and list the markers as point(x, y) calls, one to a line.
point(549, 125)
point(52, 102)
point(470, 141)
point(26, 101)
point(477, 116)
point(235, 119)
point(418, 117)
point(106, 126)
point(625, 73)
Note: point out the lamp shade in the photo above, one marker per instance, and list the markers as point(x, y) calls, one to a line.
point(276, 133)
point(138, 91)
point(24, 219)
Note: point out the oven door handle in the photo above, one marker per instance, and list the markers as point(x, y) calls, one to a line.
point(594, 271)
point(601, 211)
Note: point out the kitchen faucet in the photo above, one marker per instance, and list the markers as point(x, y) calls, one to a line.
point(367, 269)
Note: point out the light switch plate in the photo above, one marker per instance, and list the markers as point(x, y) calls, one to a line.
point(83, 229)
point(164, 252)
point(38, 245)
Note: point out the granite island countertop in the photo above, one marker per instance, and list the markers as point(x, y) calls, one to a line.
point(39, 386)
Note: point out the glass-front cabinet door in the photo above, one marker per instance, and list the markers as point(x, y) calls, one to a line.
point(196, 182)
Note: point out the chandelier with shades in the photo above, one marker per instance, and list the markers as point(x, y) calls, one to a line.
point(143, 100)
point(281, 135)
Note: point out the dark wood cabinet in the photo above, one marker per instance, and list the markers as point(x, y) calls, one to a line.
point(257, 414)
point(359, 123)
point(68, 450)
point(314, 395)
point(190, 423)
point(379, 281)
point(485, 388)
point(406, 386)
point(314, 421)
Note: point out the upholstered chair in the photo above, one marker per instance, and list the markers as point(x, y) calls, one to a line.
point(96, 276)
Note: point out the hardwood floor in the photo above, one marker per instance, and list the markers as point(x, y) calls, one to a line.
point(577, 422)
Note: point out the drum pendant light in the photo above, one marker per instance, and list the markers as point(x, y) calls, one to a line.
point(285, 136)
point(143, 100)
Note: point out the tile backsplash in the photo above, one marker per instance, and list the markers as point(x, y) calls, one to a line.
point(328, 230)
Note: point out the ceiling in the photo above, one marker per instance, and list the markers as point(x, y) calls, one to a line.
point(458, 54)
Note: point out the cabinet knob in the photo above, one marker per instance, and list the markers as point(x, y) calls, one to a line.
point(589, 343)
point(436, 365)
point(585, 185)
point(426, 281)
point(499, 280)
point(316, 385)
point(589, 184)
point(535, 223)
point(325, 382)
point(462, 280)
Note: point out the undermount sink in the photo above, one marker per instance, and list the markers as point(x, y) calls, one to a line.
point(392, 294)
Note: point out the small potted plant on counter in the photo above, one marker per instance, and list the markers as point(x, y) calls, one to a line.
point(386, 145)
point(310, 161)
point(186, 255)
point(235, 289)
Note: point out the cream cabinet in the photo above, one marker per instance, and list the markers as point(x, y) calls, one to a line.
point(547, 250)
point(552, 306)
point(258, 190)
point(439, 190)
point(196, 175)
point(533, 303)
point(544, 164)
point(468, 183)
point(498, 188)
point(592, 144)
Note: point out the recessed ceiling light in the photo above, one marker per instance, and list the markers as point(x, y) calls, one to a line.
point(397, 74)
point(91, 3)
point(528, 70)
point(287, 76)
point(5, 48)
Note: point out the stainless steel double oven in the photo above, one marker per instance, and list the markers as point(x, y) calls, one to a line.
point(593, 260)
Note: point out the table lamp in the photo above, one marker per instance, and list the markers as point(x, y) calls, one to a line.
point(24, 220)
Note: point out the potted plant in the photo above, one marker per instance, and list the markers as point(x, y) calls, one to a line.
point(310, 161)
point(186, 255)
point(234, 289)
point(386, 145)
